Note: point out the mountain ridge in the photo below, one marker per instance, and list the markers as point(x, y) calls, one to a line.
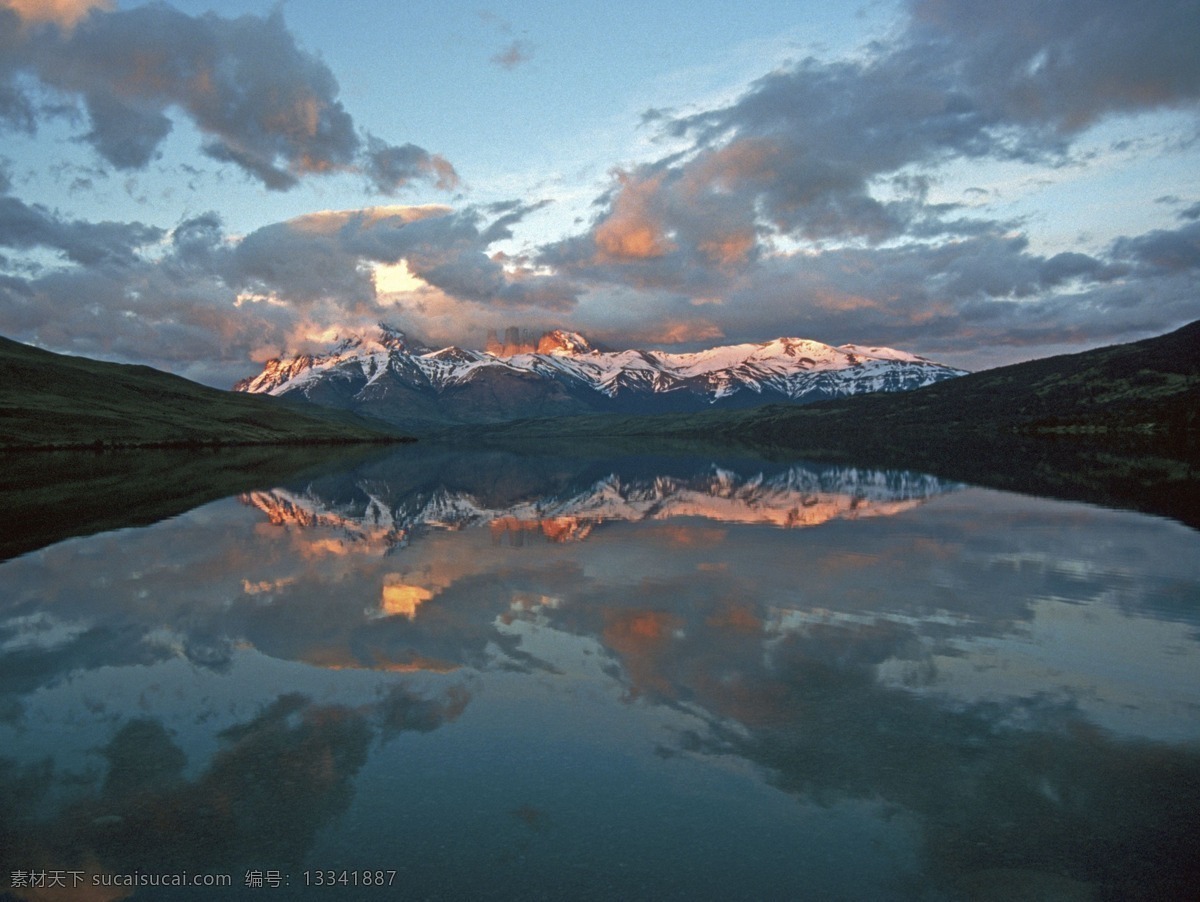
point(401, 380)
point(1143, 388)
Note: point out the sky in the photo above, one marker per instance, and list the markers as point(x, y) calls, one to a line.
point(201, 186)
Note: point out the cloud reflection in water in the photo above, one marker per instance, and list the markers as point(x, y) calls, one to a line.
point(1014, 678)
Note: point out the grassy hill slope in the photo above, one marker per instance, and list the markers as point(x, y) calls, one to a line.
point(54, 400)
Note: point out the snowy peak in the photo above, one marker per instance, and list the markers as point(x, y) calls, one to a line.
point(561, 342)
point(395, 340)
point(386, 338)
point(369, 352)
point(881, 354)
point(454, 355)
point(276, 371)
point(388, 375)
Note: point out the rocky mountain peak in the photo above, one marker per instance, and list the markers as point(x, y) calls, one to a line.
point(560, 341)
point(395, 339)
point(387, 374)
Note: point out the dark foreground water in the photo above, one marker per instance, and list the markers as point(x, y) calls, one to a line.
point(491, 677)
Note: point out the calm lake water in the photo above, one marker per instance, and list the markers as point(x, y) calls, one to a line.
point(494, 677)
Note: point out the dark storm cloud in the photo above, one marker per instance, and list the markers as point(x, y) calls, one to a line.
point(263, 103)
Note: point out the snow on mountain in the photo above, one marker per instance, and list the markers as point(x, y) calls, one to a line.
point(389, 375)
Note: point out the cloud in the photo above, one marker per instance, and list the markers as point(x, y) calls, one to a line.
point(207, 304)
point(1067, 65)
point(834, 157)
point(16, 108)
point(61, 12)
point(1169, 250)
point(329, 255)
point(980, 291)
point(673, 332)
point(24, 227)
point(261, 102)
point(803, 206)
point(122, 293)
point(389, 168)
point(633, 230)
point(513, 55)
point(805, 145)
point(126, 136)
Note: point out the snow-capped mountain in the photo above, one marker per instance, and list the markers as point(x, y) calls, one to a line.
point(387, 375)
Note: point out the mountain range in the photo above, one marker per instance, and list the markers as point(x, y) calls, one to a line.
point(1116, 425)
point(389, 376)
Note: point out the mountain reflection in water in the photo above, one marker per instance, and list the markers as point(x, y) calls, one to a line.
point(382, 513)
point(505, 677)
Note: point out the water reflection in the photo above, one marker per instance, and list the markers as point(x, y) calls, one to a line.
point(277, 780)
point(879, 684)
point(382, 515)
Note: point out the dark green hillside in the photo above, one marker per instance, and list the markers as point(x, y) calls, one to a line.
point(55, 400)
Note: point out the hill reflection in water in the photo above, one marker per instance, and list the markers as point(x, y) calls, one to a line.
point(598, 678)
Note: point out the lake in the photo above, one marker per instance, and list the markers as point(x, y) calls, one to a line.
point(443, 675)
